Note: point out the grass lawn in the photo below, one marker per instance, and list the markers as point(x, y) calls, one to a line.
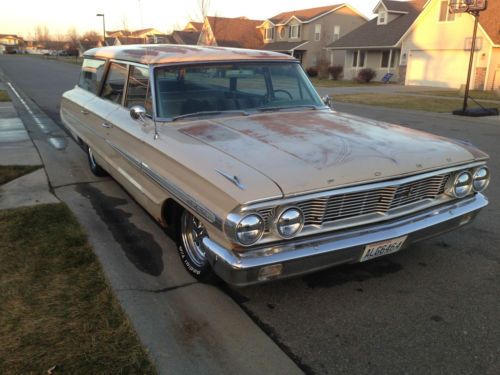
point(476, 94)
point(404, 102)
point(4, 97)
point(11, 172)
point(55, 306)
point(331, 83)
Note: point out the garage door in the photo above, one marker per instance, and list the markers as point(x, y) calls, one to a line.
point(437, 68)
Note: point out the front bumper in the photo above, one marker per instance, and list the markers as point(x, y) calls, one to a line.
point(311, 254)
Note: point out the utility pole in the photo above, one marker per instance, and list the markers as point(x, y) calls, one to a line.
point(103, 27)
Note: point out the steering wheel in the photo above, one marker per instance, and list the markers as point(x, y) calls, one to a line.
point(285, 92)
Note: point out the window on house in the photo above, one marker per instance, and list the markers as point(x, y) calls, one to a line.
point(382, 18)
point(270, 33)
point(294, 31)
point(444, 13)
point(336, 32)
point(317, 32)
point(358, 59)
point(386, 56)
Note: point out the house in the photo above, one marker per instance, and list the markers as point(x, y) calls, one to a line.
point(194, 26)
point(305, 33)
point(436, 49)
point(422, 43)
point(238, 32)
point(185, 37)
point(10, 43)
point(377, 44)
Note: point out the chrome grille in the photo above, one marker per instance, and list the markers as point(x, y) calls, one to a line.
point(337, 207)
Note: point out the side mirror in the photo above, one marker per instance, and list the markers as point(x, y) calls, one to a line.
point(327, 100)
point(138, 112)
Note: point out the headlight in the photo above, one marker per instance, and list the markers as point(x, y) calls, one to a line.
point(481, 179)
point(462, 184)
point(290, 222)
point(249, 229)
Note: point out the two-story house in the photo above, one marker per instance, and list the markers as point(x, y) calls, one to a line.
point(305, 33)
point(422, 43)
point(239, 32)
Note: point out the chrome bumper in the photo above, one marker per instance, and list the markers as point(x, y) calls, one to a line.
point(314, 253)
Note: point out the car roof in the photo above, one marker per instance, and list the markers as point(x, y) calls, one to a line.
point(174, 53)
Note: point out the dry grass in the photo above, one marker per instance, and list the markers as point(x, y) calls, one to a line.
point(11, 172)
point(476, 94)
point(320, 82)
point(55, 307)
point(4, 97)
point(416, 102)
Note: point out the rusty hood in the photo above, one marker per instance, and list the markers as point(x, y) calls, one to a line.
point(316, 150)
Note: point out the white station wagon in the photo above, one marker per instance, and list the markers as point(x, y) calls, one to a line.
point(236, 155)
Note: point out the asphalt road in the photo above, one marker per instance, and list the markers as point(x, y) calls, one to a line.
point(432, 308)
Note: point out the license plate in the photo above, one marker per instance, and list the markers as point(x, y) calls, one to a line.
point(382, 248)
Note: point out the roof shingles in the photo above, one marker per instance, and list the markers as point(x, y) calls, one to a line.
point(304, 15)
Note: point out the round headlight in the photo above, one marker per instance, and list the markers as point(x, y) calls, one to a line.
point(462, 185)
point(290, 222)
point(481, 179)
point(250, 229)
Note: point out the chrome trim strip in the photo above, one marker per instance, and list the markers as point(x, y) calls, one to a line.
point(234, 179)
point(171, 188)
point(314, 253)
point(354, 189)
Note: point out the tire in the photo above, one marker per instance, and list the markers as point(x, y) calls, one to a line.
point(96, 169)
point(190, 234)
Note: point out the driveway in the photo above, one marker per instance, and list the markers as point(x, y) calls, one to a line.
point(432, 308)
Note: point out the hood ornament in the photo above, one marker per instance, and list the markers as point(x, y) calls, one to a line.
point(234, 179)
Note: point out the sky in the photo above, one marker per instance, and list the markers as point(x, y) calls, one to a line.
point(22, 16)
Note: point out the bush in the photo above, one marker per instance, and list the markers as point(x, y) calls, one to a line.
point(335, 71)
point(312, 71)
point(366, 75)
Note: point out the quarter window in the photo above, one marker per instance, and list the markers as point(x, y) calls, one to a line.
point(91, 74)
point(139, 89)
point(115, 83)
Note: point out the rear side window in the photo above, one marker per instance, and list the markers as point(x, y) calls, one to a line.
point(91, 74)
point(115, 82)
point(139, 89)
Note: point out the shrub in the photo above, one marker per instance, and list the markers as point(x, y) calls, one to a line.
point(366, 75)
point(335, 71)
point(312, 71)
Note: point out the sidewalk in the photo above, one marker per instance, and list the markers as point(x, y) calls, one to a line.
point(16, 148)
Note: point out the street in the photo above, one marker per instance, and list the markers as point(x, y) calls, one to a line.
point(432, 308)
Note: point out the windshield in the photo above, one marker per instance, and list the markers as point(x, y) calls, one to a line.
point(242, 87)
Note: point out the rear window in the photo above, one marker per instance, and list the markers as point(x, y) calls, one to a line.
point(91, 74)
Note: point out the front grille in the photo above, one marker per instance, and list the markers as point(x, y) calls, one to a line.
point(337, 207)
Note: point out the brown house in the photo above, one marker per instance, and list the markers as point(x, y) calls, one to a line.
point(305, 33)
point(238, 32)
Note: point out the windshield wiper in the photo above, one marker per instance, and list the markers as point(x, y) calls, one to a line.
point(271, 109)
point(209, 113)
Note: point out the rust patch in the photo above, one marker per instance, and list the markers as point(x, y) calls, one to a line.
point(210, 133)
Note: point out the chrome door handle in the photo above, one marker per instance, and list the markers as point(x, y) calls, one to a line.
point(106, 125)
point(84, 112)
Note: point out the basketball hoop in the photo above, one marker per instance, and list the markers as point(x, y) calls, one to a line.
point(467, 6)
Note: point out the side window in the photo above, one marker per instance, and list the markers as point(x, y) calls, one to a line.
point(91, 74)
point(139, 89)
point(115, 83)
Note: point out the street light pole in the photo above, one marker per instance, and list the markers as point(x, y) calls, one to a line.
point(103, 27)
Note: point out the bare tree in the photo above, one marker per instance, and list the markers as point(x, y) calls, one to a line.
point(72, 36)
point(42, 33)
point(92, 36)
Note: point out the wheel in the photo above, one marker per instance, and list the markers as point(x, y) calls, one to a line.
point(191, 249)
point(94, 167)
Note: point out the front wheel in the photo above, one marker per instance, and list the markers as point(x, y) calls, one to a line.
point(191, 251)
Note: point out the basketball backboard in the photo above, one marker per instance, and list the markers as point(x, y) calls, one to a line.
point(462, 6)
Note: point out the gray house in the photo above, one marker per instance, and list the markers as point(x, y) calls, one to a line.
point(305, 33)
point(377, 44)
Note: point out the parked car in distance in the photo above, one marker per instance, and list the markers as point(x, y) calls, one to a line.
point(255, 178)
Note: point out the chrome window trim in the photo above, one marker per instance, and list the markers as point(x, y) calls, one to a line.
point(354, 188)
